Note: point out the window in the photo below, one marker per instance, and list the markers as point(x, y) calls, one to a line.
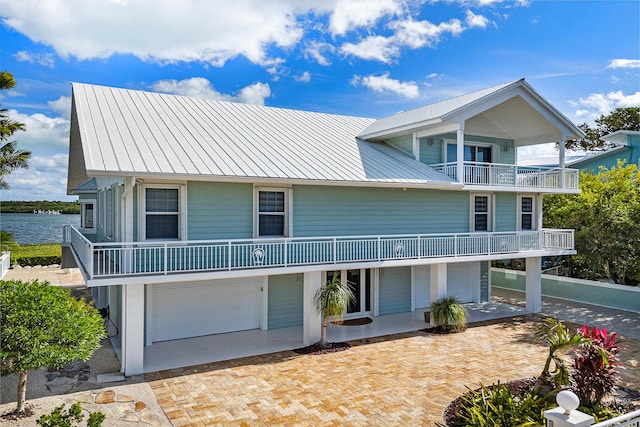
point(472, 153)
point(527, 217)
point(87, 216)
point(481, 212)
point(272, 209)
point(161, 213)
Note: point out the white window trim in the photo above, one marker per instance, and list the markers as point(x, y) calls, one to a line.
point(83, 214)
point(288, 211)
point(182, 211)
point(534, 212)
point(490, 211)
point(495, 149)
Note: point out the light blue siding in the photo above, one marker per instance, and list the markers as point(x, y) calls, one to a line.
point(484, 281)
point(403, 143)
point(433, 154)
point(329, 211)
point(394, 290)
point(219, 211)
point(285, 301)
point(608, 161)
point(506, 211)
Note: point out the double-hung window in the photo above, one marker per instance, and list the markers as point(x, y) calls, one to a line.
point(527, 217)
point(481, 219)
point(161, 213)
point(272, 212)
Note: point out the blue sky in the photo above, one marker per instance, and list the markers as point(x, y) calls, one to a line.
point(368, 58)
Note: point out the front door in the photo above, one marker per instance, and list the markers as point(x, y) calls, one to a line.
point(360, 282)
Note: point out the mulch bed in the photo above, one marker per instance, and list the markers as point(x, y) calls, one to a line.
point(441, 330)
point(13, 415)
point(333, 347)
point(355, 322)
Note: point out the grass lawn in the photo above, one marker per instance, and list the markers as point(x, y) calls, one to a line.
point(42, 254)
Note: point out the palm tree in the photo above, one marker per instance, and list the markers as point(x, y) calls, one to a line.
point(553, 333)
point(10, 158)
point(330, 302)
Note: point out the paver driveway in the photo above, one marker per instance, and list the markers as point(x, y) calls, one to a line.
point(404, 379)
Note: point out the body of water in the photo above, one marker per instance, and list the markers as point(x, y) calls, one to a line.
point(36, 228)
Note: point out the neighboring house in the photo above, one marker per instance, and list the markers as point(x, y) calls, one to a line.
point(203, 217)
point(626, 146)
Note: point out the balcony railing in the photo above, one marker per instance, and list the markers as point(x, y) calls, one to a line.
point(108, 260)
point(503, 175)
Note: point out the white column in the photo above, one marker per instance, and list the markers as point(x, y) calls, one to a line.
point(538, 217)
point(562, 159)
point(132, 329)
point(416, 147)
point(533, 285)
point(438, 281)
point(312, 321)
point(460, 153)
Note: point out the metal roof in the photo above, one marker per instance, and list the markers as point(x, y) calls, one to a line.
point(428, 112)
point(125, 132)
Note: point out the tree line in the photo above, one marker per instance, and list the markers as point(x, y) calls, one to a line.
point(41, 205)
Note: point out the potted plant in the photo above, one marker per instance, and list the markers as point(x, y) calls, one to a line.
point(448, 314)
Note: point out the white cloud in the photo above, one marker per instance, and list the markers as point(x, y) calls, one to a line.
point(45, 179)
point(189, 30)
point(624, 63)
point(304, 77)
point(62, 105)
point(48, 140)
point(45, 59)
point(350, 14)
point(384, 83)
point(43, 134)
point(315, 50)
point(408, 33)
point(377, 48)
point(597, 104)
point(202, 88)
point(476, 21)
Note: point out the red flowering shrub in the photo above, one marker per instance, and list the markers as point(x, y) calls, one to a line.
point(595, 366)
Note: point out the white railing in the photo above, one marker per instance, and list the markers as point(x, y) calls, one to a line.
point(5, 263)
point(102, 260)
point(631, 419)
point(504, 175)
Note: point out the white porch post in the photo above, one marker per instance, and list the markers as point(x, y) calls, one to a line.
point(460, 153)
point(562, 160)
point(533, 285)
point(438, 281)
point(132, 329)
point(416, 147)
point(312, 321)
point(538, 201)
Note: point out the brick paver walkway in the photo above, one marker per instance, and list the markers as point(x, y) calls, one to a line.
point(404, 379)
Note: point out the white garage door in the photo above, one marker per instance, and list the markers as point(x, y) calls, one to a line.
point(182, 310)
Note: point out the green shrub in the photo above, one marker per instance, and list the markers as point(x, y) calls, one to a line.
point(449, 314)
point(41, 254)
point(60, 417)
point(498, 406)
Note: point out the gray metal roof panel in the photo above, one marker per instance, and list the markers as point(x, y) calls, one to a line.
point(428, 112)
point(133, 132)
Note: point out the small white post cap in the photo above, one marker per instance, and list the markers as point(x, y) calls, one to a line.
point(568, 401)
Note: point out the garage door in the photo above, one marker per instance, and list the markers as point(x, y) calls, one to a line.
point(182, 310)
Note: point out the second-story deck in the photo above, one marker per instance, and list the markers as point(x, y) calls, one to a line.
point(106, 261)
point(497, 175)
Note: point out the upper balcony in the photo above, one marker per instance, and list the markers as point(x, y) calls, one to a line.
point(110, 263)
point(505, 176)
